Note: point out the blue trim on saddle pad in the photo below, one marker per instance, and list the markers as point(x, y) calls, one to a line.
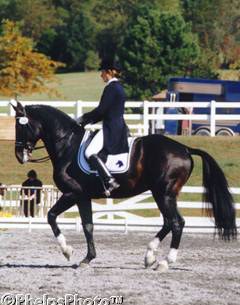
point(116, 164)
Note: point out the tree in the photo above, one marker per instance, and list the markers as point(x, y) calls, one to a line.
point(111, 18)
point(36, 16)
point(22, 70)
point(92, 61)
point(156, 46)
point(72, 39)
point(217, 24)
point(78, 40)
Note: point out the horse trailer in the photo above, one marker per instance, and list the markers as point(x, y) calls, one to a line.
point(203, 90)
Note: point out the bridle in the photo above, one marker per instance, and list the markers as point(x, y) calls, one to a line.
point(25, 145)
point(28, 147)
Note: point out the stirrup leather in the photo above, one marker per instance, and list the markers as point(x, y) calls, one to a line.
point(109, 183)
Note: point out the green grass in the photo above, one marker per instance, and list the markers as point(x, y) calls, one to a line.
point(226, 152)
point(88, 87)
point(11, 172)
point(85, 86)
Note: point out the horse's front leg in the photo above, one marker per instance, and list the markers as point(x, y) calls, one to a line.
point(65, 202)
point(85, 210)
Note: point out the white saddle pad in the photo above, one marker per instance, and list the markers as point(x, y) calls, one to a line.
point(116, 164)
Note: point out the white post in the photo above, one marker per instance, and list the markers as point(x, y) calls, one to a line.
point(79, 110)
point(109, 205)
point(139, 132)
point(78, 224)
point(29, 223)
point(190, 121)
point(126, 226)
point(213, 118)
point(11, 110)
point(145, 118)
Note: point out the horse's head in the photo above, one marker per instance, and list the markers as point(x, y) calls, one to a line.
point(27, 133)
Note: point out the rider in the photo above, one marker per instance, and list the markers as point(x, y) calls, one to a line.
point(113, 136)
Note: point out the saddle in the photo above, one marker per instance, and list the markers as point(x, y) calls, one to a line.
point(116, 164)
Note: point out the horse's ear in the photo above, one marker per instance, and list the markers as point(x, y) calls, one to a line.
point(18, 107)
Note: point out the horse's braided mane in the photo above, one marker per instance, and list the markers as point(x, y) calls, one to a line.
point(47, 113)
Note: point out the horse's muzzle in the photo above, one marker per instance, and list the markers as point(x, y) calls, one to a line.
point(22, 155)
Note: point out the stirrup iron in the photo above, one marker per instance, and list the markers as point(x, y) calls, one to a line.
point(112, 185)
point(109, 183)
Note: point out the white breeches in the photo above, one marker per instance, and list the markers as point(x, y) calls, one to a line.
point(96, 144)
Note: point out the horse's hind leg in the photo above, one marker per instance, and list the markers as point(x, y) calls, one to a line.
point(150, 257)
point(64, 202)
point(174, 222)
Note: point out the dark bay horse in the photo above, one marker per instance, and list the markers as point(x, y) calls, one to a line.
point(157, 163)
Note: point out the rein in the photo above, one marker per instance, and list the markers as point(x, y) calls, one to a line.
point(46, 158)
point(40, 160)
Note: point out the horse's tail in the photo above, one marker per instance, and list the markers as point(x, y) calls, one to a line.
point(218, 195)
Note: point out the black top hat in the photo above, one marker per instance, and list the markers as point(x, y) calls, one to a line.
point(108, 64)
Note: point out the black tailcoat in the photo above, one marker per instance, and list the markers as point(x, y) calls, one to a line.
point(110, 110)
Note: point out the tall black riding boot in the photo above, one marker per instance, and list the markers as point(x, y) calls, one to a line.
point(108, 180)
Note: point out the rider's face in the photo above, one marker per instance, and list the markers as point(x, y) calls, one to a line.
point(106, 75)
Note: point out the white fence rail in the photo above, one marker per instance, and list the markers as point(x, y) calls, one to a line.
point(139, 123)
point(123, 215)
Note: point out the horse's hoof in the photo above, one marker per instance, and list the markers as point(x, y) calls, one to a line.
point(83, 265)
point(68, 252)
point(85, 262)
point(150, 259)
point(162, 266)
point(149, 262)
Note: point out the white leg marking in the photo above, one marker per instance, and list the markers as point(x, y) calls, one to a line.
point(172, 255)
point(62, 242)
point(162, 266)
point(66, 250)
point(152, 247)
